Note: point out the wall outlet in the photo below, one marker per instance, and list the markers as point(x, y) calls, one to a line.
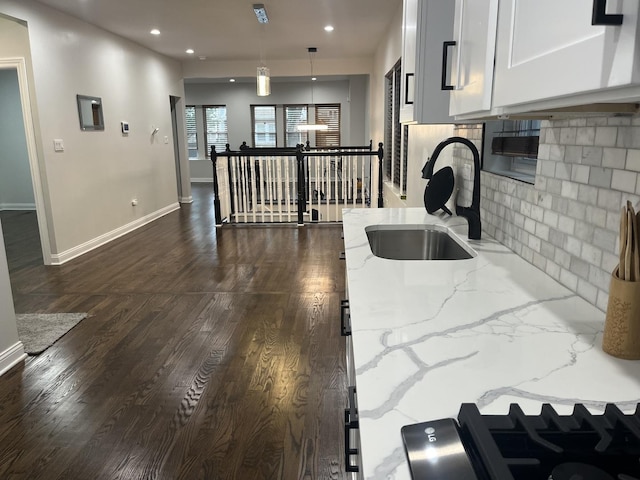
point(134, 202)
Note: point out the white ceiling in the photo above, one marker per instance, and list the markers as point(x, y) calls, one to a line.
point(228, 29)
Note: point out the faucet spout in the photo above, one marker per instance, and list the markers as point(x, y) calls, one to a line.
point(471, 213)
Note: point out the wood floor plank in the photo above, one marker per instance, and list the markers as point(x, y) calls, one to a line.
point(208, 354)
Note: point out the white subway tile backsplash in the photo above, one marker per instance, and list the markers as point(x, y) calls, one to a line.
point(587, 291)
point(591, 254)
point(609, 199)
point(595, 121)
point(592, 156)
point(564, 171)
point(614, 157)
point(568, 135)
point(600, 177)
point(579, 173)
point(619, 121)
point(588, 194)
point(633, 160)
point(573, 246)
point(569, 280)
point(569, 190)
point(567, 223)
point(586, 136)
point(596, 216)
point(562, 258)
point(605, 136)
point(556, 152)
point(551, 218)
point(624, 180)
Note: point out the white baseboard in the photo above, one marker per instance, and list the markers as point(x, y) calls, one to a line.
point(202, 180)
point(63, 257)
point(188, 199)
point(17, 206)
point(11, 357)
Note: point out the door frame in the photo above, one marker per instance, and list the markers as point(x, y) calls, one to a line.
point(20, 65)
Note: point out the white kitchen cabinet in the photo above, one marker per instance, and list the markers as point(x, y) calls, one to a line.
point(471, 79)
point(427, 24)
point(548, 49)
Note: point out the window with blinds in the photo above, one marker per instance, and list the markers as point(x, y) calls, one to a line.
point(328, 115)
point(295, 115)
point(215, 124)
point(192, 134)
point(263, 118)
point(395, 165)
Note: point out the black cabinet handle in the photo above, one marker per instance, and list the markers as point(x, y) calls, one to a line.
point(350, 423)
point(600, 16)
point(408, 83)
point(445, 61)
point(345, 328)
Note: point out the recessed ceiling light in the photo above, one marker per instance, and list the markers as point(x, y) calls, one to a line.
point(189, 51)
point(328, 28)
point(155, 31)
point(202, 57)
point(314, 78)
point(232, 80)
point(261, 13)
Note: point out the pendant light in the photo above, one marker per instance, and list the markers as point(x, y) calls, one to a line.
point(263, 77)
point(263, 82)
point(310, 126)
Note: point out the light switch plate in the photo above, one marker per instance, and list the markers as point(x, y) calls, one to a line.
point(166, 139)
point(58, 145)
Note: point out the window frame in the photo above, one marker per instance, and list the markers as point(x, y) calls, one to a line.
point(194, 132)
point(304, 135)
point(510, 164)
point(395, 134)
point(253, 126)
point(322, 135)
point(206, 130)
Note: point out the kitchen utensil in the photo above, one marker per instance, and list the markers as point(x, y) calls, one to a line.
point(623, 243)
point(438, 191)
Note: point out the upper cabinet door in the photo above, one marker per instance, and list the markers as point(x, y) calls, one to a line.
point(474, 32)
point(409, 31)
point(549, 48)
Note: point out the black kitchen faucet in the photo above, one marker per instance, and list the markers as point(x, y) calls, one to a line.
point(471, 213)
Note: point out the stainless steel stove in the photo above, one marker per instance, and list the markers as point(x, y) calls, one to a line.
point(580, 446)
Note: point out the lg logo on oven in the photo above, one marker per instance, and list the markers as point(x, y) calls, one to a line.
point(431, 434)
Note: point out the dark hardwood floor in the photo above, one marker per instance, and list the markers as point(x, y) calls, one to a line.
point(208, 354)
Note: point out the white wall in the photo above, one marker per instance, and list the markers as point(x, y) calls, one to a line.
point(11, 349)
point(238, 98)
point(89, 186)
point(16, 190)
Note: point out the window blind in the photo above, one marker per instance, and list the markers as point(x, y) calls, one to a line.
point(295, 115)
point(328, 115)
point(192, 135)
point(264, 125)
point(215, 121)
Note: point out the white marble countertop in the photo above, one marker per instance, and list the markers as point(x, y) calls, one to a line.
point(492, 330)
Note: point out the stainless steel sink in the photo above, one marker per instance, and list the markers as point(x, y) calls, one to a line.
point(415, 242)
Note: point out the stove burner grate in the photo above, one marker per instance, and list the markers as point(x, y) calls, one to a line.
point(522, 447)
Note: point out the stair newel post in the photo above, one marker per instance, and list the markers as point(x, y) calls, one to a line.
point(380, 178)
point(301, 196)
point(216, 190)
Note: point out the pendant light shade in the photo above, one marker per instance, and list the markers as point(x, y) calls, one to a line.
point(263, 82)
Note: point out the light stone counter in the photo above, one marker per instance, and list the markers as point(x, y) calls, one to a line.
point(492, 330)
